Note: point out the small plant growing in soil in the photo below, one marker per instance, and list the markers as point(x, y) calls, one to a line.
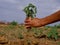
point(2, 33)
point(37, 32)
point(47, 27)
point(53, 33)
point(20, 36)
point(30, 10)
point(14, 23)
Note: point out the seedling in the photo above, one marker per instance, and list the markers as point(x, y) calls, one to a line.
point(30, 10)
point(53, 33)
point(37, 32)
point(14, 23)
point(20, 36)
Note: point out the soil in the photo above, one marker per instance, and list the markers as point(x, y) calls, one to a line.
point(10, 35)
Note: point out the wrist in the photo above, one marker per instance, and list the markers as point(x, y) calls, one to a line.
point(42, 22)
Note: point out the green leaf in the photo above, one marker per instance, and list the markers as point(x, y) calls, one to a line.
point(30, 10)
point(56, 37)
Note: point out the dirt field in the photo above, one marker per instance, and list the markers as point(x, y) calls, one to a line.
point(19, 35)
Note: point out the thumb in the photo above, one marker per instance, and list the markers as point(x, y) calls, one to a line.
point(28, 19)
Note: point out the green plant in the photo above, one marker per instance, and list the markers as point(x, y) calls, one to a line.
point(37, 32)
point(20, 36)
point(58, 26)
point(47, 27)
point(11, 26)
point(2, 33)
point(30, 10)
point(53, 33)
point(14, 23)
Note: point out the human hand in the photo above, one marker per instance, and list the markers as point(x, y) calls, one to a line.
point(35, 22)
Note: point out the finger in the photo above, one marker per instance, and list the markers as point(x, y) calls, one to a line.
point(27, 26)
point(27, 21)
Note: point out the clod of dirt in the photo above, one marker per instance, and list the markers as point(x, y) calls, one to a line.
point(3, 40)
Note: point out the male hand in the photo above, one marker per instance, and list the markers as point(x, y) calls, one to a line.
point(35, 22)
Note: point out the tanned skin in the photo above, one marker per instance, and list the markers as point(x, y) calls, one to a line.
point(36, 22)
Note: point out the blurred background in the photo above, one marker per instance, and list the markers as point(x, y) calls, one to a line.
point(13, 9)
